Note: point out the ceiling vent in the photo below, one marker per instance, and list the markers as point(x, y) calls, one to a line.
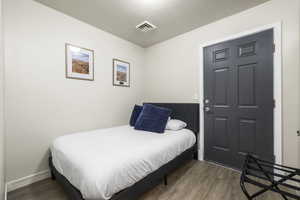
point(146, 26)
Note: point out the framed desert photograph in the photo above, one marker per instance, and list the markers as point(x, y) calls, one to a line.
point(79, 63)
point(121, 73)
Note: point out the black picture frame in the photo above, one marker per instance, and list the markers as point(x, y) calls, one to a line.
point(115, 80)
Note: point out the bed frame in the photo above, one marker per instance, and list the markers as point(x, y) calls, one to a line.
point(188, 112)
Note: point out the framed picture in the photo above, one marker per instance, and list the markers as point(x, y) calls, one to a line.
point(121, 73)
point(79, 63)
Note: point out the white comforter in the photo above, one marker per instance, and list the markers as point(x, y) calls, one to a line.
point(102, 162)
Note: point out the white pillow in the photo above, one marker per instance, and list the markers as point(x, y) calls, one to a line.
point(175, 125)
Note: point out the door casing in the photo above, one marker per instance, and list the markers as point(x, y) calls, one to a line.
point(277, 28)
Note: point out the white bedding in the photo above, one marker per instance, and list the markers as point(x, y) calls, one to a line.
point(102, 162)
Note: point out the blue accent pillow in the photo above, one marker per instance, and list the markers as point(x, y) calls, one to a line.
point(153, 119)
point(135, 114)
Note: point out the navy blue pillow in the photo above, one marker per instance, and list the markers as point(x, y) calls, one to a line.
point(135, 114)
point(153, 119)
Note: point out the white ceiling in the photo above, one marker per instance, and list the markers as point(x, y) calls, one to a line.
point(172, 17)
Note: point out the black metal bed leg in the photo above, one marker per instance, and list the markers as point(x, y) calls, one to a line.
point(52, 176)
point(51, 168)
point(195, 156)
point(166, 180)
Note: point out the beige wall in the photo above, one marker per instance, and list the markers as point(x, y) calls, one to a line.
point(2, 148)
point(41, 103)
point(299, 97)
point(172, 67)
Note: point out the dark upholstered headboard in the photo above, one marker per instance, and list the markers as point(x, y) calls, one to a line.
point(187, 112)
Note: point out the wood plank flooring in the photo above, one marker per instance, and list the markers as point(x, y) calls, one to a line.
point(194, 181)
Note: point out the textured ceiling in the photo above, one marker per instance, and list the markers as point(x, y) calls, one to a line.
point(172, 17)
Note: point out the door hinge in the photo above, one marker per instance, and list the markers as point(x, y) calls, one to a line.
point(274, 103)
point(298, 133)
point(274, 47)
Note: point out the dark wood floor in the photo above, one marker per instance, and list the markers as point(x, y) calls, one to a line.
point(194, 181)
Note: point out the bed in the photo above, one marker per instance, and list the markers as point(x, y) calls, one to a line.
point(121, 163)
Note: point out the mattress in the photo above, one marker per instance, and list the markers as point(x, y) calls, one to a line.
point(103, 162)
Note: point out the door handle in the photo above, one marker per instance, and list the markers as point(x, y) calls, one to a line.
point(206, 109)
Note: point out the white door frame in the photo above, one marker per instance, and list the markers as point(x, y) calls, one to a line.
point(277, 86)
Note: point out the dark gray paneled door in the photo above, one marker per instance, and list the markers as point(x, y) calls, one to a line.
point(238, 99)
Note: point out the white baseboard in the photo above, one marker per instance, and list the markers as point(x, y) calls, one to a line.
point(5, 192)
point(22, 182)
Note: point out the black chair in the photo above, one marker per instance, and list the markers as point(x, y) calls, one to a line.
point(270, 177)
